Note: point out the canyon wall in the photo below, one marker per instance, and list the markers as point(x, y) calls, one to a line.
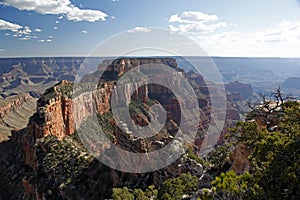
point(13, 104)
point(14, 113)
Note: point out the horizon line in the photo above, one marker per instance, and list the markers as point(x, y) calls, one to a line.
point(152, 56)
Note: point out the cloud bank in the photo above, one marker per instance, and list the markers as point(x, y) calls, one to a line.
point(282, 40)
point(195, 21)
point(5, 25)
point(60, 7)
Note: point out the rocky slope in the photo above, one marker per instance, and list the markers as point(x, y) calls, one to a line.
point(14, 112)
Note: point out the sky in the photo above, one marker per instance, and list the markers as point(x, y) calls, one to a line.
point(231, 28)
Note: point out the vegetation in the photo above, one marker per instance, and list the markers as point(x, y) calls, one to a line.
point(60, 163)
point(275, 160)
point(219, 158)
point(106, 122)
point(173, 188)
point(138, 194)
point(60, 89)
point(233, 186)
point(195, 157)
point(122, 194)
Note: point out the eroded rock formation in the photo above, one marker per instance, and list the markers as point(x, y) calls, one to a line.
point(49, 159)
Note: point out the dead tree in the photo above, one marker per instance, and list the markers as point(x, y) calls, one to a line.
point(269, 109)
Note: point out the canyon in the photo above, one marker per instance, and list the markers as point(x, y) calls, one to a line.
point(30, 161)
point(47, 160)
point(30, 77)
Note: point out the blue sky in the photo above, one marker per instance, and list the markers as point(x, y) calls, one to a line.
point(268, 28)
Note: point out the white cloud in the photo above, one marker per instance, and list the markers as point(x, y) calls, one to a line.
point(61, 7)
point(195, 21)
point(113, 17)
point(57, 22)
point(55, 27)
point(2, 50)
point(192, 17)
point(86, 15)
point(5, 25)
point(49, 39)
point(139, 29)
point(85, 32)
point(18, 30)
point(25, 38)
point(282, 40)
point(37, 30)
point(26, 31)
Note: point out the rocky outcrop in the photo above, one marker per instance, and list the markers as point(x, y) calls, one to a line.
point(292, 83)
point(54, 113)
point(232, 114)
point(245, 90)
point(54, 116)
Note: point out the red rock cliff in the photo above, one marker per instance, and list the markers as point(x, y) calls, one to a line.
point(54, 115)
